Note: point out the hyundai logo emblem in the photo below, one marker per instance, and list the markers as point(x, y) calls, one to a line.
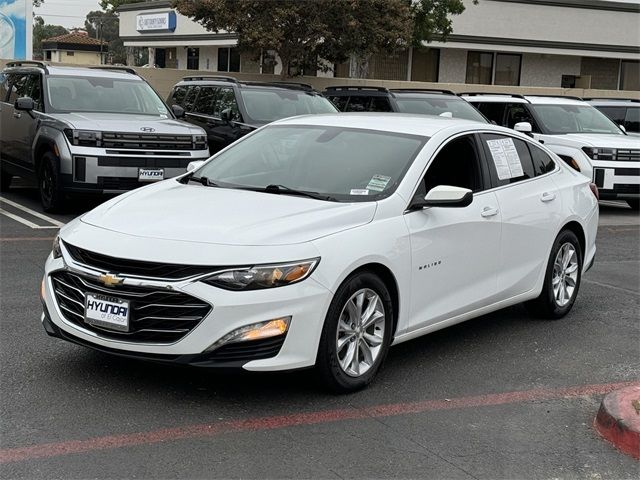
point(148, 129)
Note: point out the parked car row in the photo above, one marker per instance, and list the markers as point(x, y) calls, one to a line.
point(106, 130)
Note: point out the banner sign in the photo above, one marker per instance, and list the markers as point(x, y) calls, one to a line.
point(16, 25)
point(152, 22)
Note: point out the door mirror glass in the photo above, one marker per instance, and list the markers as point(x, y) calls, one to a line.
point(194, 165)
point(24, 103)
point(178, 111)
point(622, 128)
point(226, 115)
point(448, 196)
point(524, 127)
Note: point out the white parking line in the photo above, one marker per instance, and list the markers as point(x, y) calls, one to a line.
point(54, 223)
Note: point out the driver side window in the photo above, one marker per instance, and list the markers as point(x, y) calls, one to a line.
point(457, 165)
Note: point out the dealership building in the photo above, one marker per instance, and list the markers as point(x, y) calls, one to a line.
point(540, 43)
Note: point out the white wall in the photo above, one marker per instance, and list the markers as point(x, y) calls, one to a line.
point(547, 70)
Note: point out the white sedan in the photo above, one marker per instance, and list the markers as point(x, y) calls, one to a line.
point(323, 240)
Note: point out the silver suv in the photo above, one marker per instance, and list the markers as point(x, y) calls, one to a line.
point(102, 130)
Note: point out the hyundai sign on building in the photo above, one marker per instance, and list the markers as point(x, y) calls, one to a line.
point(15, 29)
point(165, 21)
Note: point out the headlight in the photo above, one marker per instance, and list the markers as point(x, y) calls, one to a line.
point(199, 142)
point(84, 138)
point(263, 276)
point(57, 253)
point(600, 153)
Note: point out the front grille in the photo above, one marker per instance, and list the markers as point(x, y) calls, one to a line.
point(147, 141)
point(628, 155)
point(138, 268)
point(156, 316)
point(146, 161)
point(249, 350)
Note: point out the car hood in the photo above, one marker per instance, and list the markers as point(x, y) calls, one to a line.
point(594, 140)
point(118, 122)
point(170, 210)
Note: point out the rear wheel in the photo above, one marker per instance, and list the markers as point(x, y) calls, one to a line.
point(5, 180)
point(356, 334)
point(49, 183)
point(634, 203)
point(562, 278)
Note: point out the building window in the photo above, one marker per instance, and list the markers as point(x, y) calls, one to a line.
point(47, 55)
point(507, 69)
point(479, 67)
point(268, 62)
point(424, 64)
point(70, 54)
point(228, 60)
point(630, 75)
point(193, 58)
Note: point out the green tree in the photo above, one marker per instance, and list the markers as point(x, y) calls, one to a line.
point(112, 5)
point(106, 26)
point(301, 32)
point(42, 31)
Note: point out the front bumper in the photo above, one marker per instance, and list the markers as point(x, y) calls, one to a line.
point(617, 180)
point(306, 302)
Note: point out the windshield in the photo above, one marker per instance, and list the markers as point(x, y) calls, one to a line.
point(562, 119)
point(435, 106)
point(347, 164)
point(265, 106)
point(103, 95)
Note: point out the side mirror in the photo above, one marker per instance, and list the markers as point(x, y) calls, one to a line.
point(226, 115)
point(448, 196)
point(446, 114)
point(178, 111)
point(24, 103)
point(622, 128)
point(194, 165)
point(523, 127)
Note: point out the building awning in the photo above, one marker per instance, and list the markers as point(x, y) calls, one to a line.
point(180, 43)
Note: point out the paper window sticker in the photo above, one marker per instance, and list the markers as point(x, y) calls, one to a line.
point(359, 191)
point(378, 183)
point(513, 158)
point(499, 159)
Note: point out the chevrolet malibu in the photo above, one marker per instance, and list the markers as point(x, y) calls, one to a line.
point(322, 241)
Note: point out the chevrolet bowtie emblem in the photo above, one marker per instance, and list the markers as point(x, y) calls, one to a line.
point(110, 280)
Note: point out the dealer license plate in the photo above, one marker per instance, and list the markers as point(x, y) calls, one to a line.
point(150, 174)
point(107, 312)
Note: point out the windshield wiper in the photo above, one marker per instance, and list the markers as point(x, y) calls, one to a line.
point(283, 189)
point(203, 180)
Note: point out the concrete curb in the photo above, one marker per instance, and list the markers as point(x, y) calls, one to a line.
point(618, 420)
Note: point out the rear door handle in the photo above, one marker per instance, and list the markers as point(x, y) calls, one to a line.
point(489, 212)
point(547, 196)
point(17, 115)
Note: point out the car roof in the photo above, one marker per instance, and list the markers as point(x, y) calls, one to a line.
point(623, 102)
point(348, 90)
point(515, 98)
point(97, 72)
point(412, 124)
point(220, 80)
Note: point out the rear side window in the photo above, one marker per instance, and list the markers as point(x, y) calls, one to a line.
point(205, 101)
point(542, 162)
point(226, 99)
point(360, 103)
point(19, 86)
point(339, 102)
point(494, 111)
point(517, 113)
point(508, 158)
point(190, 98)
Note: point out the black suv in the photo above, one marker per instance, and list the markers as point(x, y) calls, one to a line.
point(421, 101)
point(229, 109)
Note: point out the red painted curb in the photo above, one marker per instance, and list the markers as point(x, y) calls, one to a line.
point(618, 420)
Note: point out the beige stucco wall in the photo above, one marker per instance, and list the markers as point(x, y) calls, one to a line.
point(163, 79)
point(78, 58)
point(547, 70)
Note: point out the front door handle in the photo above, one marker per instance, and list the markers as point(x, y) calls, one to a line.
point(547, 196)
point(489, 212)
point(17, 115)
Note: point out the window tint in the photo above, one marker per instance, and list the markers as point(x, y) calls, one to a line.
point(266, 105)
point(494, 111)
point(479, 67)
point(495, 160)
point(359, 103)
point(19, 86)
point(614, 113)
point(190, 98)
point(178, 95)
point(457, 164)
point(226, 99)
point(379, 104)
point(632, 119)
point(205, 102)
point(339, 102)
point(34, 88)
point(542, 162)
point(507, 69)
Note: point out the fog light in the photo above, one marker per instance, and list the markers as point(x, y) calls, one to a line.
point(255, 331)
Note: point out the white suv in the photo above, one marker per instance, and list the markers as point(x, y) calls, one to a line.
point(581, 135)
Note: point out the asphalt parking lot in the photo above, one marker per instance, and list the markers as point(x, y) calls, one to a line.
point(502, 396)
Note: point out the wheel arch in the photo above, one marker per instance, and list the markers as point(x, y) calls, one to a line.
point(578, 230)
point(42, 146)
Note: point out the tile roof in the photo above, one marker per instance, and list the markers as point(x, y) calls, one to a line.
point(73, 39)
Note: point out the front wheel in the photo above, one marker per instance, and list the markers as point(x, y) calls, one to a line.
point(356, 334)
point(562, 278)
point(49, 184)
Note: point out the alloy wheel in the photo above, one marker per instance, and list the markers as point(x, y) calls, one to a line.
point(565, 274)
point(360, 332)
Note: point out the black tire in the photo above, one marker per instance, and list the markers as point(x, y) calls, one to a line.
point(634, 203)
point(328, 362)
point(546, 305)
point(49, 183)
point(5, 180)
